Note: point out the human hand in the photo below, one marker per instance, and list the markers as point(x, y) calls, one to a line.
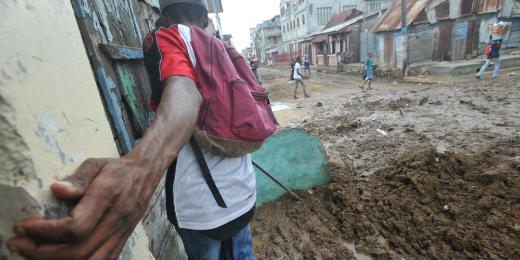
point(113, 196)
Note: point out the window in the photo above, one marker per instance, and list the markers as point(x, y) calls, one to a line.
point(349, 7)
point(298, 22)
point(303, 19)
point(374, 7)
point(324, 15)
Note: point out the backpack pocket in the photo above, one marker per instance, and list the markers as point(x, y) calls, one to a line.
point(252, 119)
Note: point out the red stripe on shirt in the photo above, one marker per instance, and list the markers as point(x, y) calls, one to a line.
point(175, 57)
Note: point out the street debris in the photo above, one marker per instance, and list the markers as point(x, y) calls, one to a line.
point(382, 132)
point(443, 185)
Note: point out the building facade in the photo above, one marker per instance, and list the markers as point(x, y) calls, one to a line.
point(266, 38)
point(347, 40)
point(448, 30)
point(300, 19)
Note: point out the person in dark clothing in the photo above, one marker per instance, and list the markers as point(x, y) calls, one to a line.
point(494, 57)
point(307, 66)
point(253, 64)
point(292, 69)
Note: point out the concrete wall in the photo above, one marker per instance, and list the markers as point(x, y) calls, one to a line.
point(51, 114)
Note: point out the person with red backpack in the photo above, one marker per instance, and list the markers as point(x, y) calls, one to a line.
point(210, 114)
point(211, 187)
point(492, 55)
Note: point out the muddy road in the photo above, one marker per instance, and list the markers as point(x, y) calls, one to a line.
point(428, 168)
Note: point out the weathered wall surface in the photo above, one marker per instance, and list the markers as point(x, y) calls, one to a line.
point(51, 114)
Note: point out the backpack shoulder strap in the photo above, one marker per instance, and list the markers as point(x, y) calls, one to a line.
point(168, 188)
point(207, 173)
point(170, 180)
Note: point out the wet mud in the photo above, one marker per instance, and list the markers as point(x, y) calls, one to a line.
point(419, 172)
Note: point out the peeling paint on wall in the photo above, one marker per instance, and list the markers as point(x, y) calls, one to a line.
point(16, 167)
point(50, 134)
point(51, 113)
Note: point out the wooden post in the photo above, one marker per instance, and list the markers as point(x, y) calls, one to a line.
point(404, 32)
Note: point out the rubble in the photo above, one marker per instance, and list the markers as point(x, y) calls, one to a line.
point(444, 184)
point(380, 71)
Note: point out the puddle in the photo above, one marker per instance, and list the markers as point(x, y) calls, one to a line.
point(357, 255)
point(281, 106)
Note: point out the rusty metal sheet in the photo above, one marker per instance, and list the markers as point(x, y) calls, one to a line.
point(480, 6)
point(389, 47)
point(420, 43)
point(514, 35)
point(442, 51)
point(492, 5)
point(472, 42)
point(467, 7)
point(391, 21)
point(442, 11)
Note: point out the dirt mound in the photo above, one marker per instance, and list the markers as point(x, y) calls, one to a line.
point(425, 205)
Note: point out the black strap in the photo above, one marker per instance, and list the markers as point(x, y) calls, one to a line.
point(168, 187)
point(207, 174)
point(226, 250)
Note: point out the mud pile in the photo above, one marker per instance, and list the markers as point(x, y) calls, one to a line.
point(424, 205)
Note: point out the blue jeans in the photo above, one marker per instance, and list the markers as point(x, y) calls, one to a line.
point(201, 247)
point(486, 65)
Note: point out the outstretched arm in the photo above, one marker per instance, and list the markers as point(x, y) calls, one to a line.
point(113, 194)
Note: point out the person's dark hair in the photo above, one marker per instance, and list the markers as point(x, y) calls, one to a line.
point(183, 13)
point(299, 59)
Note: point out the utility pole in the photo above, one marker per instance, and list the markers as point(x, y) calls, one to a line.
point(404, 32)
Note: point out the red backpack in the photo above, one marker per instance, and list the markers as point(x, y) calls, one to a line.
point(488, 50)
point(235, 117)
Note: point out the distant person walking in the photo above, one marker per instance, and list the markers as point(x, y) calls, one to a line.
point(368, 72)
point(297, 75)
point(307, 66)
point(493, 55)
point(293, 62)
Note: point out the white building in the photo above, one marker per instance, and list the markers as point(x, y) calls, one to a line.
point(266, 39)
point(303, 18)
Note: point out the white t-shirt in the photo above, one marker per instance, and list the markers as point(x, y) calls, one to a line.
point(297, 68)
point(195, 206)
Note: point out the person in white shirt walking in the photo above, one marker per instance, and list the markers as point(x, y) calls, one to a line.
point(298, 78)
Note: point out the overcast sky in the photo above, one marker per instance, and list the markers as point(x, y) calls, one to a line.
point(240, 15)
